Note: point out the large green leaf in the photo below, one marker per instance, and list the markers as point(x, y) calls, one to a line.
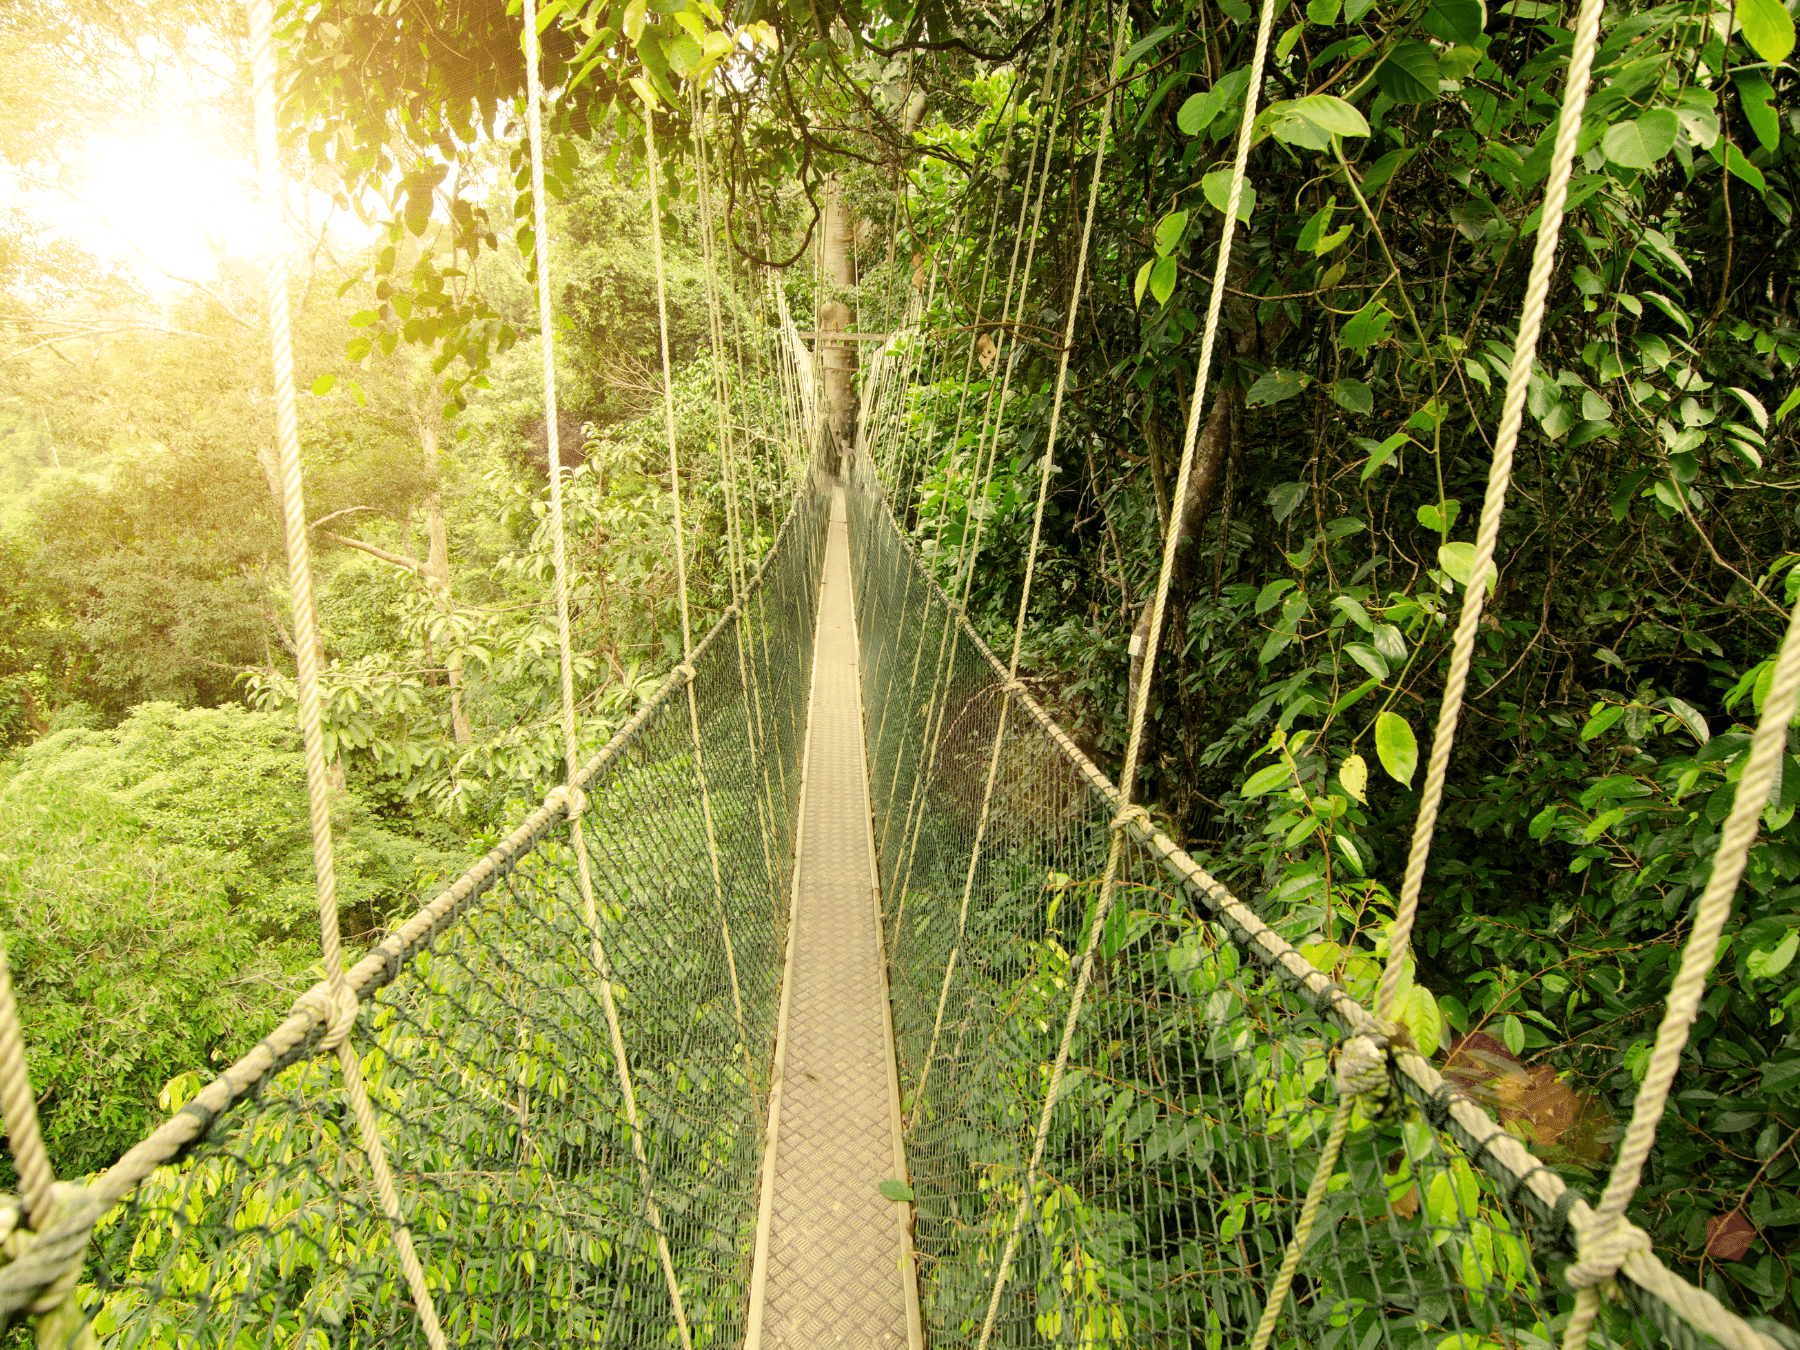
point(1168, 232)
point(1198, 112)
point(1768, 27)
point(1757, 98)
point(1639, 144)
point(1311, 122)
point(1217, 186)
point(1410, 74)
point(1275, 386)
point(1456, 21)
point(1396, 746)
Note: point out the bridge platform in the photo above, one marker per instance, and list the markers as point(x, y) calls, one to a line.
point(833, 1256)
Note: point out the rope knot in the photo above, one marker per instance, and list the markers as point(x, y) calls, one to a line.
point(1129, 814)
point(336, 1008)
point(685, 671)
point(41, 1267)
point(1013, 686)
point(1601, 1250)
point(568, 799)
point(1362, 1068)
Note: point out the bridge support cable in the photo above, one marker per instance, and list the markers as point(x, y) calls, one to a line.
point(573, 800)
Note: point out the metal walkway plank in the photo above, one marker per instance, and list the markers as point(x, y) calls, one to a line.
point(833, 1257)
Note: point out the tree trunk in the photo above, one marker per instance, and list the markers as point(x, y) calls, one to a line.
point(837, 356)
point(1211, 450)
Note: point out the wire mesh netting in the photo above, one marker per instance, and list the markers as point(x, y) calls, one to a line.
point(489, 1055)
point(1199, 1086)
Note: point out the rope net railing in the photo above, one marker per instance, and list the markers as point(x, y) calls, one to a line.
point(487, 1054)
point(1204, 1072)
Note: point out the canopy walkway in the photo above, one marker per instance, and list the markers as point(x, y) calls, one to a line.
point(839, 999)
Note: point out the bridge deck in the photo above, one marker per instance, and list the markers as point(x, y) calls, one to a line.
point(831, 1251)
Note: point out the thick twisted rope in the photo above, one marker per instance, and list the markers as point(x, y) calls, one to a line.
point(307, 651)
point(1493, 506)
point(18, 1107)
point(540, 220)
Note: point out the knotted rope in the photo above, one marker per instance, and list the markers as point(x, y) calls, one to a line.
point(335, 1005)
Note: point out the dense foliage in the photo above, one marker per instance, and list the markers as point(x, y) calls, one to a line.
point(1645, 565)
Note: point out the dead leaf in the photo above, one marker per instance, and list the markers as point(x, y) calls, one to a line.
point(1728, 1236)
point(1563, 1123)
point(1407, 1205)
point(986, 352)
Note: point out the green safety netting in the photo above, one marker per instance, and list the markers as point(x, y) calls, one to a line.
point(486, 1048)
point(1200, 1080)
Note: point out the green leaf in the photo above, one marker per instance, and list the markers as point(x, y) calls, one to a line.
point(1601, 721)
point(1143, 45)
point(1410, 73)
point(1275, 386)
point(1199, 111)
point(1354, 396)
point(322, 385)
point(1768, 28)
point(1767, 963)
point(1788, 404)
point(1163, 274)
point(1396, 747)
point(1542, 823)
point(1168, 232)
point(1323, 12)
point(1440, 518)
point(1271, 594)
point(1217, 186)
point(1284, 497)
point(1312, 121)
point(1512, 1031)
point(1639, 144)
point(1356, 695)
point(1380, 454)
point(897, 1191)
point(1456, 21)
point(1690, 717)
point(1458, 560)
point(1757, 98)
point(1740, 167)
point(1352, 609)
point(1366, 327)
point(1265, 780)
point(1142, 282)
point(1353, 773)
point(1368, 658)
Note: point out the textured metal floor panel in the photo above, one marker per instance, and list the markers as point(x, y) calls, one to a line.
point(835, 1246)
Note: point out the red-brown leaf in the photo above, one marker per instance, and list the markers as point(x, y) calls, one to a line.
point(1728, 1236)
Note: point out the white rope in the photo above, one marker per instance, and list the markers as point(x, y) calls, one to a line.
point(272, 190)
point(1531, 319)
point(681, 589)
point(540, 218)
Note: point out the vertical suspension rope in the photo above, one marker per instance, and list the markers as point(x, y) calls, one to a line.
point(1493, 506)
point(681, 592)
point(571, 797)
point(335, 1002)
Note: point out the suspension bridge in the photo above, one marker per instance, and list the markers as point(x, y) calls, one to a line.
point(840, 1000)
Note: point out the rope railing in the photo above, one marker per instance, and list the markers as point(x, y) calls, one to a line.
point(1542, 1209)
